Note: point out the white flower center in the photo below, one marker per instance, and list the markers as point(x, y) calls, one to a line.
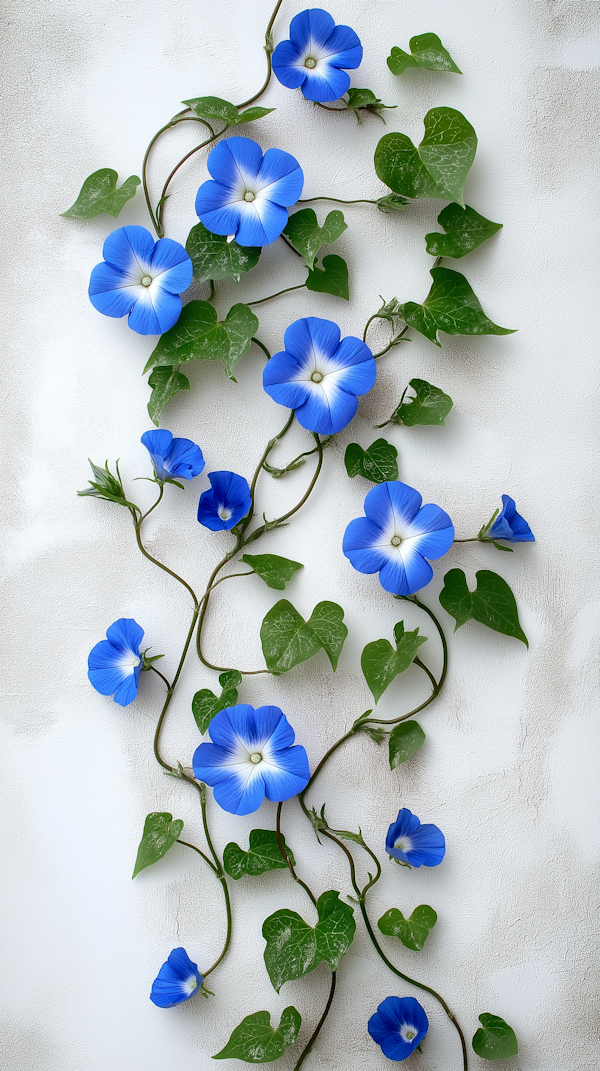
point(310, 63)
point(256, 757)
point(190, 984)
point(396, 541)
point(403, 844)
point(146, 280)
point(407, 1033)
point(317, 377)
point(224, 513)
point(249, 196)
point(129, 662)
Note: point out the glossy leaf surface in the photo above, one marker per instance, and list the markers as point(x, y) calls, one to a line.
point(492, 603)
point(465, 230)
point(426, 52)
point(294, 948)
point(377, 463)
point(213, 257)
point(275, 571)
point(332, 278)
point(495, 1039)
point(451, 306)
point(263, 854)
point(414, 931)
point(381, 662)
point(215, 108)
point(405, 739)
point(160, 834)
point(429, 406)
point(206, 704)
point(438, 168)
point(287, 639)
point(198, 335)
point(166, 382)
point(304, 233)
point(99, 193)
point(255, 1041)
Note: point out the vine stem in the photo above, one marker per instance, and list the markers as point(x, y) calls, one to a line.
point(290, 865)
point(269, 64)
point(300, 286)
point(317, 1030)
point(358, 201)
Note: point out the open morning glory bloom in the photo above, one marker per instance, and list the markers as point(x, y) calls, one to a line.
point(141, 277)
point(251, 757)
point(226, 503)
point(396, 537)
point(509, 525)
point(317, 56)
point(398, 1025)
point(320, 376)
point(173, 458)
point(177, 980)
point(410, 842)
point(249, 194)
point(115, 664)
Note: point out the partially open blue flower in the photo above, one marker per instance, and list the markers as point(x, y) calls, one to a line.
point(396, 537)
point(398, 1025)
point(249, 194)
point(177, 980)
point(509, 525)
point(226, 503)
point(317, 55)
point(115, 664)
point(141, 277)
point(410, 842)
point(173, 458)
point(320, 376)
point(251, 757)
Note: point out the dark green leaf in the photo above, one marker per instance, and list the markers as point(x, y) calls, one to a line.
point(251, 114)
point(198, 335)
point(405, 739)
point(381, 663)
point(332, 278)
point(377, 463)
point(430, 406)
point(263, 854)
point(365, 100)
point(495, 1039)
point(256, 1042)
point(492, 603)
point(165, 383)
point(413, 932)
point(294, 948)
point(213, 108)
point(213, 257)
point(160, 834)
point(206, 704)
point(465, 230)
point(303, 232)
point(99, 193)
point(438, 167)
point(327, 623)
point(287, 639)
point(275, 571)
point(451, 306)
point(428, 53)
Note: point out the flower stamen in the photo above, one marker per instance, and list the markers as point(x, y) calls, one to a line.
point(146, 280)
point(249, 196)
point(396, 541)
point(310, 63)
point(256, 757)
point(316, 377)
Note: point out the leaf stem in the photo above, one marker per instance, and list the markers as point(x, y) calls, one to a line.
point(262, 346)
point(159, 674)
point(290, 865)
point(287, 289)
point(317, 1030)
point(186, 844)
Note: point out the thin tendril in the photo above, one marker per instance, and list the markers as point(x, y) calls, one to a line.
point(279, 292)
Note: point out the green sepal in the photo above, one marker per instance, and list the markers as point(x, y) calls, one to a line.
point(206, 704)
point(451, 306)
point(495, 1039)
point(377, 463)
point(392, 202)
point(492, 603)
point(294, 948)
point(429, 406)
point(426, 52)
point(198, 335)
point(365, 100)
point(263, 854)
point(213, 257)
point(465, 230)
point(304, 233)
point(381, 663)
point(405, 739)
point(255, 1041)
point(160, 834)
point(274, 570)
point(99, 193)
point(287, 639)
point(215, 108)
point(332, 278)
point(166, 382)
point(438, 168)
point(414, 931)
point(107, 486)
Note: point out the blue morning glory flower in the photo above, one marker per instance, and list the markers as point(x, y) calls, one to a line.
point(320, 376)
point(226, 503)
point(171, 457)
point(317, 55)
point(410, 842)
point(177, 980)
point(251, 757)
point(509, 525)
point(141, 277)
point(396, 537)
point(115, 664)
point(249, 194)
point(398, 1025)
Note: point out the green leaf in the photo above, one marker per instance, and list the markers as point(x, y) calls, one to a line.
point(107, 486)
point(287, 639)
point(392, 202)
point(495, 1039)
point(303, 232)
point(377, 463)
point(451, 306)
point(160, 834)
point(413, 932)
point(405, 739)
point(99, 193)
point(492, 603)
point(275, 571)
point(365, 100)
point(206, 704)
point(213, 108)
point(256, 1042)
point(165, 383)
point(438, 167)
point(430, 406)
point(198, 335)
point(251, 114)
point(294, 948)
point(465, 230)
point(332, 278)
point(213, 257)
point(381, 663)
point(428, 53)
point(263, 854)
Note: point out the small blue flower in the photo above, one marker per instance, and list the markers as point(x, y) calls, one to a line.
point(410, 842)
point(171, 457)
point(251, 757)
point(320, 376)
point(396, 537)
point(317, 56)
point(249, 194)
point(177, 980)
point(398, 1025)
point(141, 277)
point(115, 664)
point(226, 503)
point(509, 525)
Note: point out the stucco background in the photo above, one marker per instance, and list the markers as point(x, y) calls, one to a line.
point(509, 766)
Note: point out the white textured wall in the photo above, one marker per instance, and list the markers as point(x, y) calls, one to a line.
point(509, 766)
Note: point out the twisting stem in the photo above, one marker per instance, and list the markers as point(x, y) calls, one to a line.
point(161, 203)
point(262, 346)
point(269, 67)
point(165, 765)
point(221, 877)
point(317, 1030)
point(358, 201)
point(271, 296)
point(159, 674)
point(181, 117)
point(285, 854)
point(155, 561)
point(186, 844)
point(395, 342)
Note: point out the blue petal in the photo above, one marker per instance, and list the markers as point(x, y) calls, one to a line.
point(128, 690)
point(234, 161)
point(260, 224)
point(218, 208)
point(280, 177)
point(277, 380)
point(327, 413)
point(392, 499)
point(126, 633)
point(392, 1014)
point(255, 726)
point(510, 525)
point(157, 442)
point(109, 293)
point(106, 681)
point(155, 311)
point(172, 984)
point(174, 264)
point(358, 546)
point(328, 83)
point(360, 369)
point(405, 576)
point(313, 25)
point(428, 846)
point(406, 823)
point(238, 796)
point(311, 333)
point(211, 762)
point(343, 48)
point(184, 459)
point(285, 59)
point(229, 491)
point(289, 777)
point(129, 248)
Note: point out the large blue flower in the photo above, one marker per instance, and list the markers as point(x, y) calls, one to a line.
point(177, 980)
point(251, 757)
point(320, 376)
point(115, 664)
point(509, 525)
point(410, 842)
point(398, 1025)
point(314, 55)
point(171, 457)
point(249, 194)
point(396, 537)
point(141, 277)
point(226, 503)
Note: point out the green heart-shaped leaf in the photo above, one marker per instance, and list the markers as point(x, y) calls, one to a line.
point(413, 932)
point(275, 571)
point(465, 230)
point(160, 834)
point(438, 168)
point(377, 463)
point(213, 108)
point(495, 1040)
point(405, 739)
point(294, 948)
point(99, 193)
point(381, 663)
point(430, 406)
point(165, 383)
point(492, 603)
point(427, 52)
point(287, 639)
point(206, 704)
point(332, 278)
point(263, 854)
point(198, 335)
point(451, 306)
point(213, 257)
point(304, 233)
point(256, 1042)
